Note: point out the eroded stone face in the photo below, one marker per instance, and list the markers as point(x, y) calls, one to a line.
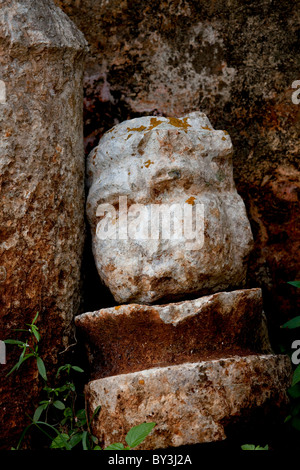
point(160, 164)
point(190, 403)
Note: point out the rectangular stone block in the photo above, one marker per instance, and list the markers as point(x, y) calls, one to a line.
point(133, 337)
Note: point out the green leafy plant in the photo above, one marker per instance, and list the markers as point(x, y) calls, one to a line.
point(134, 437)
point(294, 391)
point(58, 416)
point(30, 348)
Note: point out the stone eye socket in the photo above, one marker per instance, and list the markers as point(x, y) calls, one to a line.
point(175, 174)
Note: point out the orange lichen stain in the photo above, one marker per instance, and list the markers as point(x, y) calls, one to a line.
point(181, 123)
point(223, 138)
point(154, 123)
point(117, 308)
point(129, 135)
point(225, 132)
point(8, 133)
point(137, 129)
point(148, 163)
point(191, 200)
point(207, 128)
point(141, 382)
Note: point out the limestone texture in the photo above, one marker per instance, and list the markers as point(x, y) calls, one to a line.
point(42, 191)
point(160, 163)
point(128, 338)
point(236, 62)
point(190, 403)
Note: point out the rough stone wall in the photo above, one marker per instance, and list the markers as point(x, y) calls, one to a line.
point(236, 62)
point(42, 190)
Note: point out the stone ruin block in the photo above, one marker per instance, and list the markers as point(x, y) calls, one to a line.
point(133, 337)
point(190, 366)
point(42, 187)
point(144, 164)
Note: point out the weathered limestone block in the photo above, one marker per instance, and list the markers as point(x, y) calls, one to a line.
point(190, 402)
point(156, 163)
point(134, 337)
point(42, 187)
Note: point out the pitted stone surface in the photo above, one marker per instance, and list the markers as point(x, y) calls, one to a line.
point(42, 189)
point(164, 161)
point(190, 402)
point(133, 337)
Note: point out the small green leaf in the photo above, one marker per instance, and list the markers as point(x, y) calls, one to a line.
point(41, 367)
point(75, 439)
point(68, 412)
point(78, 369)
point(293, 323)
point(59, 405)
point(296, 376)
point(60, 441)
point(97, 409)
point(38, 412)
point(116, 446)
point(287, 419)
point(66, 367)
point(23, 359)
point(35, 318)
point(11, 370)
point(14, 341)
point(294, 391)
point(294, 283)
point(97, 448)
point(81, 413)
point(138, 433)
point(84, 440)
point(82, 419)
point(36, 333)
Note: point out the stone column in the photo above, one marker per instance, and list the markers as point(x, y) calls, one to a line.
point(42, 187)
point(195, 364)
